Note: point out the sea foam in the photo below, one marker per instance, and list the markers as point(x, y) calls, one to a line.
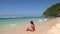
point(42, 20)
point(13, 25)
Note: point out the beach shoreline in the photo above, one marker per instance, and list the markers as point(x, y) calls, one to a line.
point(41, 28)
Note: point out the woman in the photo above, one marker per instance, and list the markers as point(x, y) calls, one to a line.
point(32, 27)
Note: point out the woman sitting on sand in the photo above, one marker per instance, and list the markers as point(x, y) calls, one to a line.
point(32, 27)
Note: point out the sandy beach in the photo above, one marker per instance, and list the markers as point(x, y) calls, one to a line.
point(51, 26)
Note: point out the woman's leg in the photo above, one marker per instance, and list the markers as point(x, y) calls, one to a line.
point(27, 29)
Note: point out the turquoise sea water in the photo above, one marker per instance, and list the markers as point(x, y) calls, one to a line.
point(4, 22)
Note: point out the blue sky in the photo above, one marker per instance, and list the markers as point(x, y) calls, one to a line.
point(25, 7)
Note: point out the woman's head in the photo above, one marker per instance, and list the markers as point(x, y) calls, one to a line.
point(31, 22)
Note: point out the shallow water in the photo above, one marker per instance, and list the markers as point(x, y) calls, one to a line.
point(5, 22)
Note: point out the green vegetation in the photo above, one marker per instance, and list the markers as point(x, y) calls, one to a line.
point(53, 11)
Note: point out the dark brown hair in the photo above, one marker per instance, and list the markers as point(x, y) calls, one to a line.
point(31, 22)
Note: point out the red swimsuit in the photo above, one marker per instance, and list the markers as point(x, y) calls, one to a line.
point(33, 27)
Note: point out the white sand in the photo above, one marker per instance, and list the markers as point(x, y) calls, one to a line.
point(51, 26)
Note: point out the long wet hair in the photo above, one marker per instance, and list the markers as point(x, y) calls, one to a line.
point(31, 22)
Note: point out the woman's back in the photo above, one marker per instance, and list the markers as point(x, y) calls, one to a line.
point(33, 27)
